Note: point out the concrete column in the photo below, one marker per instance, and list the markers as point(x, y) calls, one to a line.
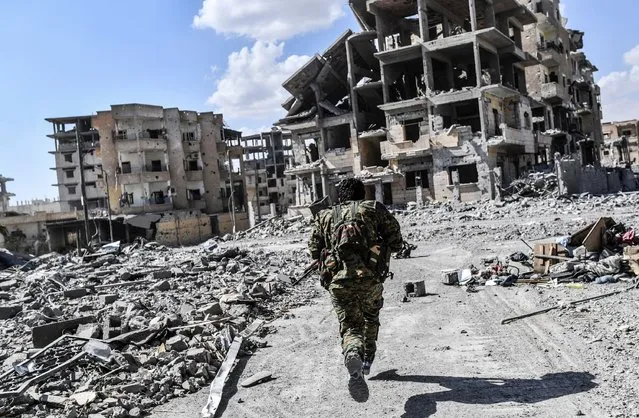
point(472, 6)
point(497, 183)
point(489, 15)
point(273, 209)
point(477, 60)
point(324, 187)
point(419, 193)
point(456, 191)
point(422, 11)
point(298, 191)
point(482, 118)
point(379, 192)
point(313, 188)
point(352, 84)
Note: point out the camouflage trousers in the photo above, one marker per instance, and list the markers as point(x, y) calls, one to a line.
point(357, 303)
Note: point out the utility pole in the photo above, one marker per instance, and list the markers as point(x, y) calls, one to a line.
point(82, 189)
point(106, 181)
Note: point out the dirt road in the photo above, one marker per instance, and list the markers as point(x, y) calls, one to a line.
point(442, 355)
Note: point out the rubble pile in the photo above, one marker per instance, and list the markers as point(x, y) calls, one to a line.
point(603, 252)
point(443, 219)
point(534, 185)
point(117, 332)
point(278, 227)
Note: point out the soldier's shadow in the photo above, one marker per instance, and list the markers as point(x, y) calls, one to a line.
point(485, 391)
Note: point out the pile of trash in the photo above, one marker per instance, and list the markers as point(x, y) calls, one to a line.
point(278, 227)
point(603, 252)
point(117, 332)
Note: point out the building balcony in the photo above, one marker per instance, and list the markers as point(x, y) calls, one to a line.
point(197, 204)
point(553, 92)
point(550, 57)
point(150, 176)
point(584, 110)
point(402, 150)
point(129, 178)
point(513, 139)
point(146, 144)
point(401, 54)
point(194, 175)
point(546, 22)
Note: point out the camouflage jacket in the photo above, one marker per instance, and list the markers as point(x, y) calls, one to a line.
point(374, 214)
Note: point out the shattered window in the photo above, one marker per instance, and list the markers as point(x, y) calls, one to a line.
point(195, 194)
point(126, 167)
point(188, 136)
point(68, 158)
point(416, 177)
point(467, 173)
point(70, 174)
point(71, 190)
point(411, 130)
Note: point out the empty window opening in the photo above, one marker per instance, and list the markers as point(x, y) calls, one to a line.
point(195, 194)
point(156, 166)
point(338, 137)
point(406, 80)
point(71, 190)
point(68, 158)
point(417, 179)
point(188, 136)
point(154, 133)
point(157, 198)
point(467, 173)
point(192, 165)
point(70, 174)
point(272, 183)
point(412, 130)
point(126, 167)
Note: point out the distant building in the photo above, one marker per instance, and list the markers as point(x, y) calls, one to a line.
point(621, 144)
point(266, 157)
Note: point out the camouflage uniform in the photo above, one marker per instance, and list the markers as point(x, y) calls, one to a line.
point(356, 290)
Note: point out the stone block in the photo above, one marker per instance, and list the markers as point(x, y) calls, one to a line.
point(164, 274)
point(75, 293)
point(8, 312)
point(212, 309)
point(200, 355)
point(108, 299)
point(46, 334)
point(132, 388)
point(176, 343)
point(162, 286)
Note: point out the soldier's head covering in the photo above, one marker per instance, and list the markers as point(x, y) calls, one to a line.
point(351, 189)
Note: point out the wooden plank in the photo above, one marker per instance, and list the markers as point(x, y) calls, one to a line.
point(217, 386)
point(594, 240)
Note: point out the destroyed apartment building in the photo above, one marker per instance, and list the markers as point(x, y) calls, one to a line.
point(621, 144)
point(269, 190)
point(158, 171)
point(446, 101)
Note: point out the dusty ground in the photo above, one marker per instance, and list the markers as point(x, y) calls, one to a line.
point(447, 354)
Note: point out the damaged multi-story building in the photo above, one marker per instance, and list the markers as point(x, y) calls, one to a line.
point(141, 159)
point(431, 101)
point(270, 191)
point(567, 114)
point(621, 144)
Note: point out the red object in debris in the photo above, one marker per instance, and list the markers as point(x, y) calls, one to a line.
point(629, 237)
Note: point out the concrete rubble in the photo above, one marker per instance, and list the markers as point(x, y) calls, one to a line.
point(117, 333)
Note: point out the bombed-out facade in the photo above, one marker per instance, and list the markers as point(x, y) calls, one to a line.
point(621, 144)
point(429, 101)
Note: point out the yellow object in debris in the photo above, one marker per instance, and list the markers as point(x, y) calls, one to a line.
point(575, 285)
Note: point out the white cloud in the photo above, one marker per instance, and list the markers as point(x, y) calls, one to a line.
point(620, 90)
point(251, 87)
point(268, 20)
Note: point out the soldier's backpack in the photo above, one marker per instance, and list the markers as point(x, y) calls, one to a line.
point(350, 242)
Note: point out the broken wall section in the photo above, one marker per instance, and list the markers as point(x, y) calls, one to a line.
point(575, 179)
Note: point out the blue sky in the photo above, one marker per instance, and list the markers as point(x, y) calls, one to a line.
point(67, 57)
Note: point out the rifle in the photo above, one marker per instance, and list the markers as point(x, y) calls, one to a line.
point(306, 273)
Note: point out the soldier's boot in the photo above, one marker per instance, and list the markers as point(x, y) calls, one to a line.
point(353, 363)
point(366, 366)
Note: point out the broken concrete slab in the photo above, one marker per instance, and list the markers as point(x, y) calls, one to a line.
point(75, 293)
point(8, 284)
point(212, 309)
point(46, 334)
point(162, 286)
point(84, 398)
point(256, 379)
point(164, 274)
point(107, 299)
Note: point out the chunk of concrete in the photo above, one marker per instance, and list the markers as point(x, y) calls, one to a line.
point(108, 299)
point(164, 274)
point(162, 286)
point(46, 334)
point(8, 284)
point(88, 331)
point(84, 398)
point(212, 309)
point(200, 355)
point(132, 388)
point(8, 312)
point(176, 343)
